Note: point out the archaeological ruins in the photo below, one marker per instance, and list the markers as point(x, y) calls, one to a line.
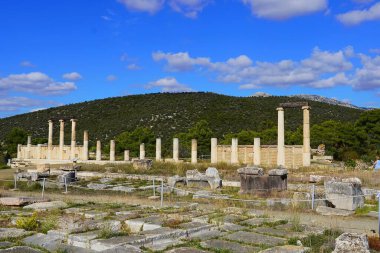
point(290, 156)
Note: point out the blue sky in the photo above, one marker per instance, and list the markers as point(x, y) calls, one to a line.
point(60, 52)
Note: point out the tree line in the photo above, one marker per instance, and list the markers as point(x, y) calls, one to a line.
point(343, 140)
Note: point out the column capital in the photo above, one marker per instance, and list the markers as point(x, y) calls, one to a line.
point(50, 121)
point(280, 109)
point(61, 120)
point(73, 120)
point(306, 107)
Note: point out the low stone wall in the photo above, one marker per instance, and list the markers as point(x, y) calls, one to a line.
point(268, 153)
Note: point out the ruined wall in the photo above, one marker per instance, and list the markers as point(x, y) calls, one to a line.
point(293, 155)
point(41, 152)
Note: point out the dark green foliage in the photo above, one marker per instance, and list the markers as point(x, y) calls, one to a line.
point(14, 137)
point(168, 114)
point(132, 140)
point(347, 133)
point(202, 132)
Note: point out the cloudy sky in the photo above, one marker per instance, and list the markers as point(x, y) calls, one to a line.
point(60, 52)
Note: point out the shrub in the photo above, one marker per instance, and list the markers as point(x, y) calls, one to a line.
point(28, 223)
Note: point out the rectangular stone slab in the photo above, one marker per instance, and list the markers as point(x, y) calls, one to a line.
point(256, 239)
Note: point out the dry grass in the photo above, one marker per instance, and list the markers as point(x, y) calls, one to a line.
point(374, 242)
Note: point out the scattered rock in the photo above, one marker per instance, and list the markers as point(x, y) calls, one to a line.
point(12, 233)
point(18, 201)
point(46, 205)
point(123, 189)
point(95, 186)
point(20, 249)
point(351, 242)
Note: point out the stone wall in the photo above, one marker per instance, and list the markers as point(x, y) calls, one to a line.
point(293, 155)
point(41, 152)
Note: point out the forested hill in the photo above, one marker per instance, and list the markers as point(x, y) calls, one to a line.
point(170, 113)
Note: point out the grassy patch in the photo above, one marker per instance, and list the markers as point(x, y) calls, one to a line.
point(321, 243)
point(365, 209)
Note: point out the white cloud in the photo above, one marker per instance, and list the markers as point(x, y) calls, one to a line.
point(368, 76)
point(35, 82)
point(16, 103)
point(150, 6)
point(325, 61)
point(358, 16)
point(111, 78)
point(284, 9)
point(169, 84)
point(338, 79)
point(73, 76)
point(133, 66)
point(27, 64)
point(190, 8)
point(321, 70)
point(180, 61)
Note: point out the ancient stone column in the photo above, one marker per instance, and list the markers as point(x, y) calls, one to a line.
point(73, 138)
point(19, 151)
point(158, 149)
point(50, 140)
point(28, 147)
point(98, 150)
point(126, 155)
point(112, 150)
point(38, 151)
point(61, 138)
point(234, 151)
point(280, 138)
point(85, 146)
point(194, 151)
point(175, 150)
point(256, 152)
point(306, 135)
point(214, 150)
point(142, 151)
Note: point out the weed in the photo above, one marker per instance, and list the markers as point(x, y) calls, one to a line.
point(296, 223)
point(28, 223)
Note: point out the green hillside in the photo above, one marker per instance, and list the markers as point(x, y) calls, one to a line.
point(168, 114)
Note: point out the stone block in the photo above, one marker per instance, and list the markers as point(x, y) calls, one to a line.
point(144, 164)
point(256, 239)
point(50, 242)
point(95, 186)
point(251, 171)
point(21, 249)
point(42, 206)
point(351, 242)
point(329, 211)
point(211, 177)
point(12, 233)
point(186, 250)
point(344, 195)
point(287, 249)
point(82, 240)
point(278, 172)
point(18, 201)
point(232, 247)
